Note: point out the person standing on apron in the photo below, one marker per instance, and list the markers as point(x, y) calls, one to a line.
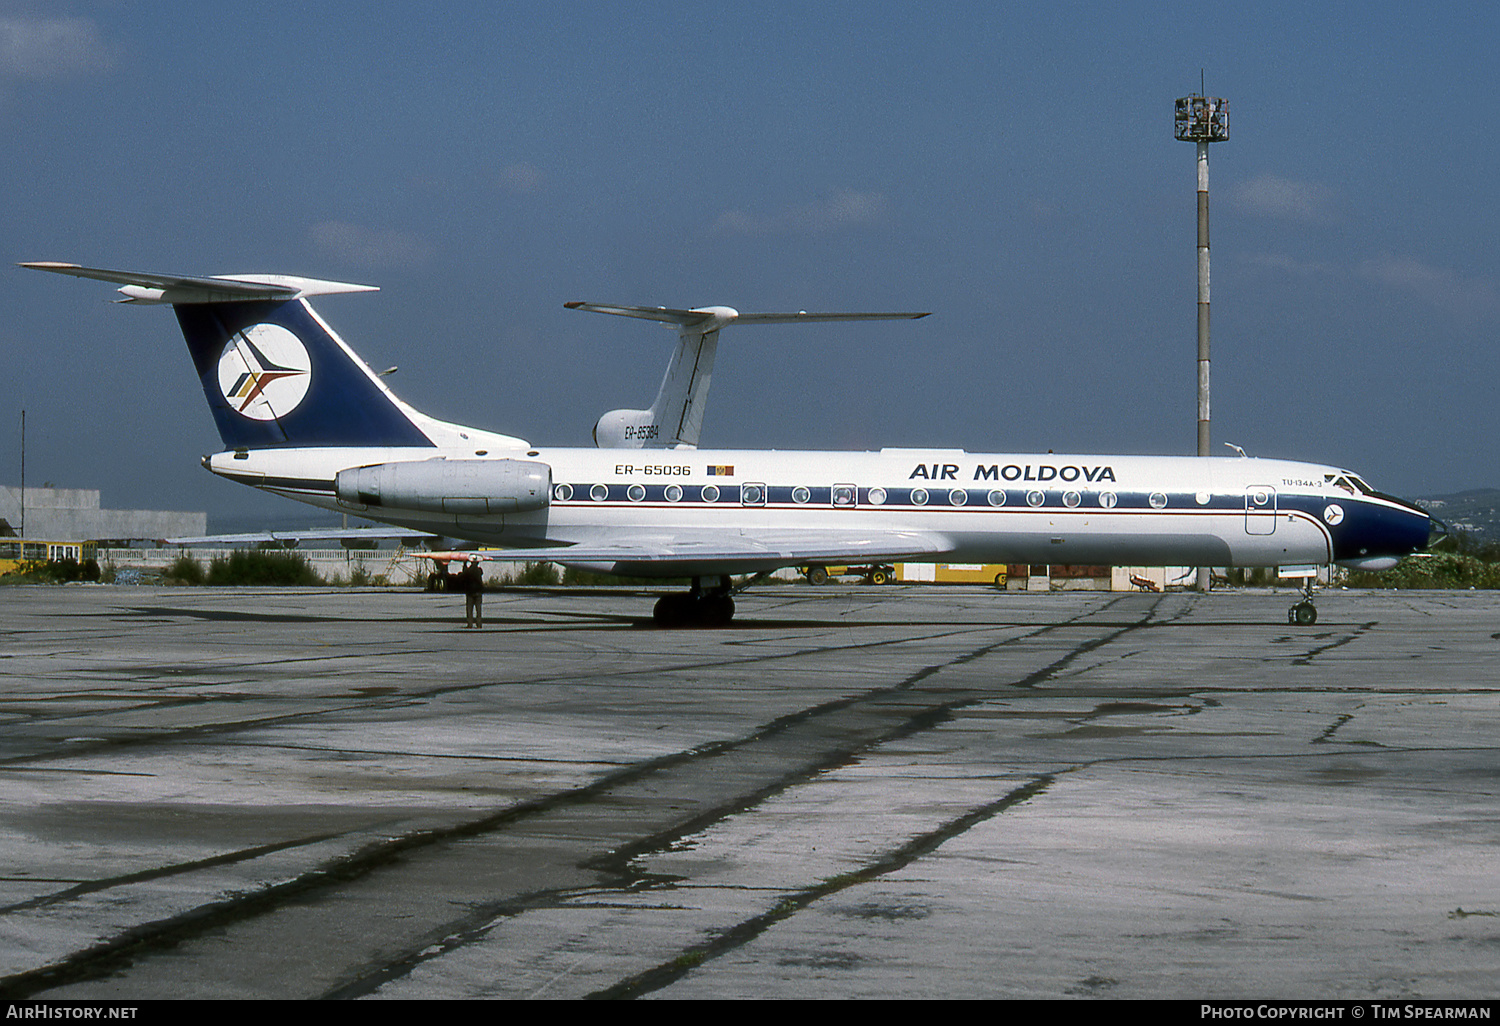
point(471, 581)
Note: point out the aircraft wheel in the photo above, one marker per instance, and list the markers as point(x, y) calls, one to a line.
point(1000, 581)
point(674, 610)
point(716, 610)
point(1304, 614)
point(879, 577)
point(817, 575)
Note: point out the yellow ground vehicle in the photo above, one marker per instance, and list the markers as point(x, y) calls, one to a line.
point(879, 573)
point(17, 551)
point(955, 573)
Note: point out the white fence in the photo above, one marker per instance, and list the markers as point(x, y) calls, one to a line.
point(397, 566)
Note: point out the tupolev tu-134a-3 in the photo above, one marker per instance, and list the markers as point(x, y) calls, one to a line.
point(302, 416)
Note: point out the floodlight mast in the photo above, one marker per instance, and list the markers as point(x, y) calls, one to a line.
point(1202, 120)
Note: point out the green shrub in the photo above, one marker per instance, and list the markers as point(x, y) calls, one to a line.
point(252, 567)
point(532, 574)
point(361, 577)
point(184, 570)
point(1439, 570)
point(55, 571)
point(587, 578)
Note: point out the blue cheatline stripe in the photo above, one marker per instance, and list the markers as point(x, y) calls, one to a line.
point(974, 499)
point(301, 484)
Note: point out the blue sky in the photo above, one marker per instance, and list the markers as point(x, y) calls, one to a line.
point(1010, 168)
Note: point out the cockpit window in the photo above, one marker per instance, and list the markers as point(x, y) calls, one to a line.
point(1348, 483)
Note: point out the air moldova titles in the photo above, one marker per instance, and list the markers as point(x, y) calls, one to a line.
point(1013, 472)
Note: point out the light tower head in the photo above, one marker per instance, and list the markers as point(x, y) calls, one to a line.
point(1201, 119)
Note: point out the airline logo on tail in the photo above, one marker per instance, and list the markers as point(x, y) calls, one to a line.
point(264, 372)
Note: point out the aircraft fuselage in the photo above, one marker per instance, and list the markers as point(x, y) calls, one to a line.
point(984, 507)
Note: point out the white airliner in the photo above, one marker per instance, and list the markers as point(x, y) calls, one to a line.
point(302, 416)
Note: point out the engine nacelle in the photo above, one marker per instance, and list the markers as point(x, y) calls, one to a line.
point(449, 486)
point(627, 429)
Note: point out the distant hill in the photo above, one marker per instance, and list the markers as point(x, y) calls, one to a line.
point(1476, 511)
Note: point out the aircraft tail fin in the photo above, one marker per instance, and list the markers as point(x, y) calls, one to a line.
point(273, 371)
point(675, 419)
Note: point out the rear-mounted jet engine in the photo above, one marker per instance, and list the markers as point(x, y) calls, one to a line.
point(449, 486)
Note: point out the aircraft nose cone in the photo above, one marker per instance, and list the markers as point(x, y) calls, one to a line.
point(1376, 535)
point(1437, 531)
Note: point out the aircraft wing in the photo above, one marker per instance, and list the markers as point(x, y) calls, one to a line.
point(313, 534)
point(720, 553)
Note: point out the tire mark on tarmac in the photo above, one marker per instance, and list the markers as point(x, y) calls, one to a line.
point(135, 738)
point(161, 872)
point(617, 864)
point(667, 973)
point(607, 823)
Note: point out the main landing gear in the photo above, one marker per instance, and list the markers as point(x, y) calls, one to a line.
point(711, 606)
point(1304, 613)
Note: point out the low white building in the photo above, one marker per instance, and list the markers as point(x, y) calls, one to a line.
point(74, 514)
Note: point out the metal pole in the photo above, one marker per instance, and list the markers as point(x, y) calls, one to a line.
point(1203, 277)
point(1205, 576)
point(1202, 119)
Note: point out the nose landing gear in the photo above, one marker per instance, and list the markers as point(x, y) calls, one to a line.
point(1304, 613)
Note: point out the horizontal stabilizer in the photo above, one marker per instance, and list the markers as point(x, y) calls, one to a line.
point(703, 315)
point(144, 287)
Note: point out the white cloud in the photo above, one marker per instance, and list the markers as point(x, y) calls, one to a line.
point(843, 209)
point(49, 48)
point(1286, 200)
point(521, 178)
point(1440, 286)
point(1293, 266)
point(370, 247)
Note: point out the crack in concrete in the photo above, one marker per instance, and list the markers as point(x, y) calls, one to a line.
point(1306, 658)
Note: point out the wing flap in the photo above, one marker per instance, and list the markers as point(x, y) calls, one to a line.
point(312, 534)
point(683, 556)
